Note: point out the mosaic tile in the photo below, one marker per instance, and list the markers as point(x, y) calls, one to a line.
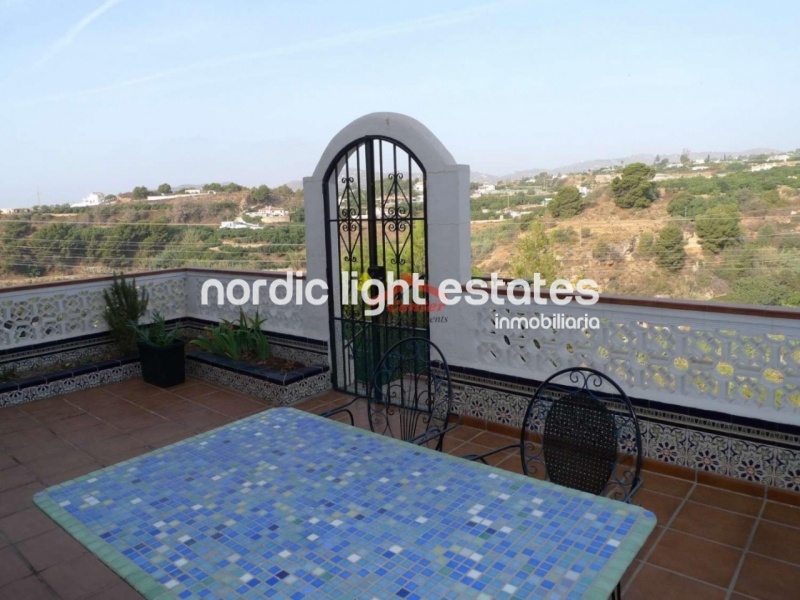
point(285, 504)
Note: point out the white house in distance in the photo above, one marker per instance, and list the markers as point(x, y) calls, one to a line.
point(269, 211)
point(238, 225)
point(93, 199)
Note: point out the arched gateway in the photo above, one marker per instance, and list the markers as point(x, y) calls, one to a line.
point(377, 208)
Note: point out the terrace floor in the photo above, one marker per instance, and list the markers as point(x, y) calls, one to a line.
point(711, 542)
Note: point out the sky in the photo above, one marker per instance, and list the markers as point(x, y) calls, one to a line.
point(105, 95)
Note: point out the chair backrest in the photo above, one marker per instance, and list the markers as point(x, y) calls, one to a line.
point(580, 427)
point(411, 393)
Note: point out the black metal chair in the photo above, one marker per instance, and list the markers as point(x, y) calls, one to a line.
point(410, 396)
point(580, 431)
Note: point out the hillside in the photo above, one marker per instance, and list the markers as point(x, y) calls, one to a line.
point(613, 245)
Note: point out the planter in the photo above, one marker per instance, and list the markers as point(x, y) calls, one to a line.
point(281, 387)
point(163, 366)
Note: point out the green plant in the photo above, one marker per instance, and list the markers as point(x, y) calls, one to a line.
point(8, 373)
point(242, 340)
point(124, 305)
point(156, 333)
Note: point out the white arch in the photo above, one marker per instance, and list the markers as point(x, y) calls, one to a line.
point(430, 152)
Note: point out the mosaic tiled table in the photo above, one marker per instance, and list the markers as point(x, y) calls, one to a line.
point(285, 504)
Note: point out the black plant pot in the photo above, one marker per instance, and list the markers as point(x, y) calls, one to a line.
point(163, 366)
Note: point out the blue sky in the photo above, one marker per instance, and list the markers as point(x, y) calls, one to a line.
point(106, 95)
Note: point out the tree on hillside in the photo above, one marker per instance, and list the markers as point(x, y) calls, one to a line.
point(140, 193)
point(535, 254)
point(718, 227)
point(635, 188)
point(164, 189)
point(258, 195)
point(566, 203)
point(685, 160)
point(668, 248)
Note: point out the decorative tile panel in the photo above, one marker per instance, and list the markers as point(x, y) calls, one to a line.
point(51, 314)
point(742, 365)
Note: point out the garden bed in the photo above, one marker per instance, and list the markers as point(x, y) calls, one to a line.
point(281, 381)
point(46, 384)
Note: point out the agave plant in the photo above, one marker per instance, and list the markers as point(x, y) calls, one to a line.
point(156, 333)
point(242, 340)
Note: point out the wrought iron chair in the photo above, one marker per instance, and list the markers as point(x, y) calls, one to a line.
point(411, 396)
point(580, 431)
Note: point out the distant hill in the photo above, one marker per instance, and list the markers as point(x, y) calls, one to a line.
point(590, 165)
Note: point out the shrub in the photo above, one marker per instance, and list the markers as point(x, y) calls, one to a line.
point(125, 305)
point(670, 254)
point(239, 341)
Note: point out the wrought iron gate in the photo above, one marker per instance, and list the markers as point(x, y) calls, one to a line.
point(375, 199)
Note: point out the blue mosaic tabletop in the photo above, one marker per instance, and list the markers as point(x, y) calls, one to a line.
point(285, 504)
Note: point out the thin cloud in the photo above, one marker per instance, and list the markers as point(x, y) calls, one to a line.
point(351, 37)
point(74, 31)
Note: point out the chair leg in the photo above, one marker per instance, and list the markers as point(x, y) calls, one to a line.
point(617, 594)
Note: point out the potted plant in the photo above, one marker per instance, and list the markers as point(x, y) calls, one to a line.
point(124, 305)
point(161, 352)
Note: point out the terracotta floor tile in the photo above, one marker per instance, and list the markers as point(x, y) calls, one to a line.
point(493, 441)
point(777, 541)
point(202, 420)
point(18, 498)
point(470, 448)
point(79, 578)
point(696, 557)
point(12, 567)
point(109, 451)
point(782, 513)
point(50, 548)
point(464, 433)
point(513, 463)
point(25, 524)
point(714, 524)
point(58, 463)
point(133, 389)
point(662, 505)
point(15, 420)
point(162, 431)
point(118, 591)
point(34, 452)
point(654, 583)
point(663, 484)
point(741, 503)
point(7, 461)
point(76, 423)
point(140, 421)
point(221, 394)
point(51, 415)
point(29, 588)
point(173, 412)
point(768, 579)
point(90, 435)
point(234, 407)
point(15, 477)
point(71, 474)
point(629, 576)
point(650, 542)
point(158, 401)
point(49, 405)
point(194, 389)
point(26, 437)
